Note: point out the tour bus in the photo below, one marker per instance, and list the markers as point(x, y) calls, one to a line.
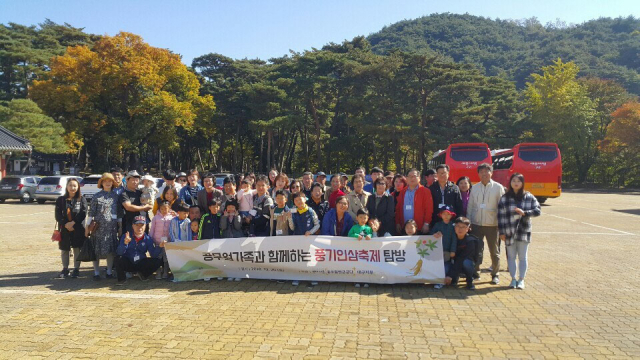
point(463, 160)
point(540, 163)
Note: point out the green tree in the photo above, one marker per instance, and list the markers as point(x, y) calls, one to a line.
point(565, 114)
point(25, 118)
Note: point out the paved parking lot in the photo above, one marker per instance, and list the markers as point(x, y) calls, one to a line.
point(582, 301)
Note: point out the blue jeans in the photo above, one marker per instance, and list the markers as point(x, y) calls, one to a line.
point(467, 268)
point(519, 249)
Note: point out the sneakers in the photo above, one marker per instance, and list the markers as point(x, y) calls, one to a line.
point(476, 276)
point(109, 276)
point(495, 280)
point(513, 284)
point(229, 279)
point(238, 279)
point(438, 286)
point(64, 274)
point(314, 283)
point(220, 278)
point(129, 275)
point(366, 285)
point(295, 283)
point(75, 274)
point(520, 284)
point(357, 285)
point(471, 286)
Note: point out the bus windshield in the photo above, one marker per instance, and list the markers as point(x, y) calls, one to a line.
point(538, 153)
point(469, 153)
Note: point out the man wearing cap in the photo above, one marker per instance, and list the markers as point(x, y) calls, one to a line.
point(444, 193)
point(130, 200)
point(307, 181)
point(118, 186)
point(132, 252)
point(208, 193)
point(376, 172)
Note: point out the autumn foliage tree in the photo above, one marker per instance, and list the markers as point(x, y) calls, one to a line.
point(122, 96)
point(623, 143)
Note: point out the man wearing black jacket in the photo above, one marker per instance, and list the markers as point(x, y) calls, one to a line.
point(466, 254)
point(444, 193)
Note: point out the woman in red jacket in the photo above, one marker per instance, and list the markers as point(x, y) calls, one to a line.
point(414, 202)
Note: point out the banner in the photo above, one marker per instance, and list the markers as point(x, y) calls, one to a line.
point(390, 260)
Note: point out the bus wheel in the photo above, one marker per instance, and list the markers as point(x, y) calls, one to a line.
point(542, 200)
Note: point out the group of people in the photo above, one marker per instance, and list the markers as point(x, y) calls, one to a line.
point(129, 220)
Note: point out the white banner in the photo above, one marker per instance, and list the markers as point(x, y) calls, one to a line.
point(390, 260)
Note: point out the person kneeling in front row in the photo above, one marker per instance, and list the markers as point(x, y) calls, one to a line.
point(466, 254)
point(132, 252)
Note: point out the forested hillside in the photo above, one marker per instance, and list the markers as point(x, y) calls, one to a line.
point(605, 48)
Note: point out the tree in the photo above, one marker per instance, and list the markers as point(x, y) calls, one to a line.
point(623, 143)
point(24, 118)
point(122, 96)
point(565, 114)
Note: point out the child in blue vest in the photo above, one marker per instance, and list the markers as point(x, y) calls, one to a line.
point(303, 221)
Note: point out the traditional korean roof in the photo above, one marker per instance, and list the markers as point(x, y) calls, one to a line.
point(12, 142)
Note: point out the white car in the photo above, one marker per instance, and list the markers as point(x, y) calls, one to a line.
point(89, 186)
point(50, 187)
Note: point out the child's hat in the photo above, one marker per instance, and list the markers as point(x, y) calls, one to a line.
point(448, 209)
point(146, 177)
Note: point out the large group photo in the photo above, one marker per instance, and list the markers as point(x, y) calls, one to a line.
point(319, 180)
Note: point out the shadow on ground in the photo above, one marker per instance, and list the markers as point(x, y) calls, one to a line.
point(49, 280)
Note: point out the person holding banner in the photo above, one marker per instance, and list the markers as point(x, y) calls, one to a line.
point(337, 222)
point(132, 252)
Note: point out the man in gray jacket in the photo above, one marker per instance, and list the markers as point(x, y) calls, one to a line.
point(483, 213)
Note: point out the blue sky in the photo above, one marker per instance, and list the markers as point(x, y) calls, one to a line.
point(265, 29)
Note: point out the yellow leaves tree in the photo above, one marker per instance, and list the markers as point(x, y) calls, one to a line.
point(121, 95)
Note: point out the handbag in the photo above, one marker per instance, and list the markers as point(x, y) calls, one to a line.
point(86, 252)
point(56, 236)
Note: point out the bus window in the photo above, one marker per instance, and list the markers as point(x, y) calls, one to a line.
point(538, 153)
point(468, 153)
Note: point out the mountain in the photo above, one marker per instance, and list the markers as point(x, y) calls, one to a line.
point(606, 48)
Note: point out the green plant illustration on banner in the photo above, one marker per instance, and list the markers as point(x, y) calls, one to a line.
point(422, 248)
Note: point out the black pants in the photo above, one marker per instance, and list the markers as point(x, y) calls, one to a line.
point(145, 267)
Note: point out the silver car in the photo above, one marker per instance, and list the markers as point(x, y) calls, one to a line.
point(51, 187)
point(89, 186)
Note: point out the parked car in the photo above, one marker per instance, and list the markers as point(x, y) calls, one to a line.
point(51, 187)
point(89, 186)
point(22, 187)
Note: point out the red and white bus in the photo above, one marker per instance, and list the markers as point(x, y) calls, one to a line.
point(540, 163)
point(463, 160)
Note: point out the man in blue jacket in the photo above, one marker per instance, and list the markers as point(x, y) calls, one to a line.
point(132, 252)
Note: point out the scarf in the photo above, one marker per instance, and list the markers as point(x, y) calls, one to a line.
point(303, 209)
